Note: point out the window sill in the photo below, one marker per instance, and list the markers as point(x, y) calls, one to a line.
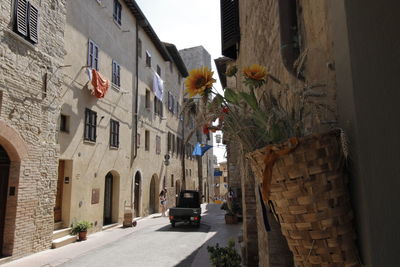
point(115, 87)
point(89, 142)
point(118, 25)
point(114, 147)
point(21, 39)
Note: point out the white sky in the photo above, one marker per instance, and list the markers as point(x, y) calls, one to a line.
point(188, 23)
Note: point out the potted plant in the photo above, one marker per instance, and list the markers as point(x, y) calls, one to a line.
point(224, 256)
point(81, 228)
point(296, 169)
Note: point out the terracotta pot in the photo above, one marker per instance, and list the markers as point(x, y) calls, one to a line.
point(82, 236)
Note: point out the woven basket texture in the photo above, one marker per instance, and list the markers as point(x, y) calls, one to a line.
point(309, 192)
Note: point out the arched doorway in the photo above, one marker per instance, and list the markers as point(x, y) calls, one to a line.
point(4, 172)
point(177, 191)
point(137, 189)
point(108, 190)
point(154, 190)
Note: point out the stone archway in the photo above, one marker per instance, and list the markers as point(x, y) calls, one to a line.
point(153, 194)
point(13, 152)
point(136, 193)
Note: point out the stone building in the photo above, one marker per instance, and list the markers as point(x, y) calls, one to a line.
point(196, 57)
point(31, 69)
point(336, 54)
point(108, 141)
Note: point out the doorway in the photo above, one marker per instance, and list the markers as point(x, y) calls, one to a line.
point(177, 191)
point(136, 202)
point(59, 196)
point(4, 172)
point(153, 201)
point(108, 196)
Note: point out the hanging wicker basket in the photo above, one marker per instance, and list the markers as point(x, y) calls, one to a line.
point(309, 191)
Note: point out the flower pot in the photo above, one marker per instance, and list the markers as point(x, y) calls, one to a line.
point(231, 219)
point(82, 236)
point(308, 188)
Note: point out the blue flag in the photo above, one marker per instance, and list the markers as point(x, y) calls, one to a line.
point(200, 149)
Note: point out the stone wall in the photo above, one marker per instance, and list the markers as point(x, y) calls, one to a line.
point(30, 78)
point(260, 44)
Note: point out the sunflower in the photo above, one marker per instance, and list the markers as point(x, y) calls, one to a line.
point(255, 75)
point(255, 72)
point(199, 81)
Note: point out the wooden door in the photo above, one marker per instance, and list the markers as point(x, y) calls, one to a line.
point(152, 201)
point(137, 195)
point(4, 171)
point(60, 182)
point(108, 199)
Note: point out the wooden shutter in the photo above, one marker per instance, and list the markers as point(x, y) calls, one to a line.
point(113, 79)
point(230, 27)
point(21, 17)
point(118, 74)
point(33, 23)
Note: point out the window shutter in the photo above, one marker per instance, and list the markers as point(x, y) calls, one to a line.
point(33, 23)
point(21, 17)
point(118, 75)
point(96, 57)
point(117, 134)
point(113, 72)
point(230, 27)
point(90, 53)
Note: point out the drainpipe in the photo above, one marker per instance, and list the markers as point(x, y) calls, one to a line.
point(137, 90)
point(290, 49)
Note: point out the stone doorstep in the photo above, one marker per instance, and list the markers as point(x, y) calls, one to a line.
point(58, 225)
point(61, 233)
point(65, 240)
point(5, 260)
point(110, 226)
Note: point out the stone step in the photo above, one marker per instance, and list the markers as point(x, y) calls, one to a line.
point(62, 241)
point(58, 225)
point(109, 226)
point(61, 233)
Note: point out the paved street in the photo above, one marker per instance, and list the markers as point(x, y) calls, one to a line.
point(152, 243)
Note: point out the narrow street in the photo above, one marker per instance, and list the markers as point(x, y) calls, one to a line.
point(152, 243)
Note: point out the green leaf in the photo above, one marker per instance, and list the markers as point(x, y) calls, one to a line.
point(217, 101)
point(231, 96)
point(250, 99)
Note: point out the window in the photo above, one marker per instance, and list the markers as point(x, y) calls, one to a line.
point(230, 30)
point(178, 109)
point(147, 105)
point(169, 141)
point(64, 123)
point(139, 48)
point(147, 140)
point(158, 145)
point(93, 55)
point(171, 102)
point(114, 133)
point(158, 70)
point(190, 172)
point(117, 12)
point(116, 73)
point(138, 140)
point(179, 79)
point(158, 107)
point(173, 144)
point(172, 180)
point(26, 20)
point(90, 125)
point(148, 59)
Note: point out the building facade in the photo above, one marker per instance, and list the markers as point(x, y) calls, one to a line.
point(31, 73)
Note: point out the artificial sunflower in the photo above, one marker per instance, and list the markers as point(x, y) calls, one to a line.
point(255, 72)
point(255, 75)
point(200, 81)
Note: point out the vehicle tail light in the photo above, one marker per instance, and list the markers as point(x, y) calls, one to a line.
point(196, 218)
point(171, 217)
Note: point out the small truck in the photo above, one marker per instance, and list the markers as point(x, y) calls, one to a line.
point(187, 209)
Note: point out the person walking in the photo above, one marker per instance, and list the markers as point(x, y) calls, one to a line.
point(163, 200)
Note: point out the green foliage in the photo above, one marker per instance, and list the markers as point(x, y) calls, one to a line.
point(231, 96)
point(81, 226)
point(224, 256)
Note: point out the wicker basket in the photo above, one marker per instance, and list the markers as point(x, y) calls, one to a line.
point(309, 191)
